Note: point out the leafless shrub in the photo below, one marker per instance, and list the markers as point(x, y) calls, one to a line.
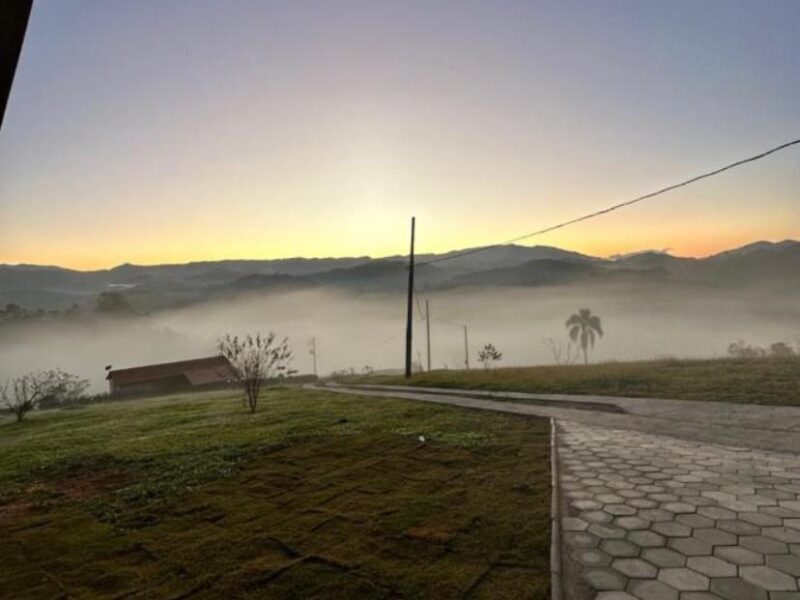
point(256, 359)
point(563, 353)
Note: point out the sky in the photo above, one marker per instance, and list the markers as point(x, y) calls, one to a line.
point(152, 132)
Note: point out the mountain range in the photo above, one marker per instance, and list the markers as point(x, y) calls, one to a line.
point(160, 286)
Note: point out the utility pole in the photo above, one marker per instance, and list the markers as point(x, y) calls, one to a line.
point(410, 313)
point(313, 352)
point(466, 348)
point(428, 329)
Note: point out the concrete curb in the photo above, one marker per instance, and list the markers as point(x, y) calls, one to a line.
point(556, 587)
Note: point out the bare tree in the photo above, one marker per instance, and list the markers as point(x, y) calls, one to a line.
point(489, 354)
point(255, 360)
point(563, 354)
point(26, 392)
point(66, 388)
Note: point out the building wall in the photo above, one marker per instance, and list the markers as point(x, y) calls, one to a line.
point(156, 386)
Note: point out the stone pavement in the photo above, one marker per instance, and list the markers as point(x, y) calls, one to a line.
point(652, 517)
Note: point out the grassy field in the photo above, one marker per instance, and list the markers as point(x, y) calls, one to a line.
point(317, 496)
point(768, 381)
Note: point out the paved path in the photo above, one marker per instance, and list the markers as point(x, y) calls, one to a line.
point(653, 517)
point(656, 506)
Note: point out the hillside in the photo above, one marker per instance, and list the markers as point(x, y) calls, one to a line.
point(760, 263)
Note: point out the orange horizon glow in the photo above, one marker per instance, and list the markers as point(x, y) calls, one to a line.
point(598, 248)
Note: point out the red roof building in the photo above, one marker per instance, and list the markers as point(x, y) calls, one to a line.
point(173, 376)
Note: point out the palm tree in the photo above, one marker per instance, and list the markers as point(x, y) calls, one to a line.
point(585, 326)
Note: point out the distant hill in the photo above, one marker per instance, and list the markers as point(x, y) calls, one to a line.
point(534, 272)
point(759, 263)
point(261, 282)
point(161, 286)
point(498, 257)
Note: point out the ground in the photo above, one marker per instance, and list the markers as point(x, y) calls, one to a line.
point(668, 499)
point(316, 496)
point(651, 517)
point(765, 381)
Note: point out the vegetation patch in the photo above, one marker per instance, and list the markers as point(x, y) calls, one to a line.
point(771, 380)
point(317, 495)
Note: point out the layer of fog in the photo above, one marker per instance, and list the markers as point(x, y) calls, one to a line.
point(354, 331)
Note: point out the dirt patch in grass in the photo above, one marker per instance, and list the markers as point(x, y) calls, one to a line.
point(41, 496)
point(88, 485)
point(16, 509)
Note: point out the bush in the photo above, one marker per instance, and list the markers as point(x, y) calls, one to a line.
point(743, 350)
point(255, 360)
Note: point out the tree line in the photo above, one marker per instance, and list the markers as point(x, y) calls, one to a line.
point(106, 303)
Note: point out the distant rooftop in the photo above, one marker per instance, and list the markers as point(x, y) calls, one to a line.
point(199, 371)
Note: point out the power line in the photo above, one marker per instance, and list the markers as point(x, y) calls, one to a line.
point(446, 322)
point(392, 337)
point(609, 209)
point(412, 287)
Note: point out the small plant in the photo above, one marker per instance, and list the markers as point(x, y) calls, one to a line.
point(255, 359)
point(489, 354)
point(585, 327)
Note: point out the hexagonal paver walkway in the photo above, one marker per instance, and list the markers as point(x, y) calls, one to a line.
point(649, 517)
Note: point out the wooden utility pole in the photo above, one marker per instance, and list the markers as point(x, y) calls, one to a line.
point(428, 330)
point(410, 313)
point(466, 348)
point(313, 352)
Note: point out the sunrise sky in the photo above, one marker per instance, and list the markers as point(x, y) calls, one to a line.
point(154, 131)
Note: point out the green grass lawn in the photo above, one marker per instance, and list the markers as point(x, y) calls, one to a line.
point(317, 496)
point(768, 381)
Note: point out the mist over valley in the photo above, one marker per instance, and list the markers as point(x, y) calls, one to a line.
point(652, 305)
